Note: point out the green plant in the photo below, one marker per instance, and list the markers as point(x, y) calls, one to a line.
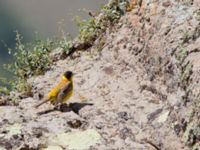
point(90, 29)
point(197, 15)
point(29, 60)
point(185, 74)
point(3, 91)
point(66, 45)
point(22, 86)
point(181, 55)
point(187, 36)
point(114, 10)
point(3, 86)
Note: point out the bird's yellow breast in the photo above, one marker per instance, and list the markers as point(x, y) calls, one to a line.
point(52, 95)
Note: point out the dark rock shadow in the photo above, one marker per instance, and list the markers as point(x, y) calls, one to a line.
point(75, 107)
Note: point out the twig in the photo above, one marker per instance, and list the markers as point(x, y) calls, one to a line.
point(152, 144)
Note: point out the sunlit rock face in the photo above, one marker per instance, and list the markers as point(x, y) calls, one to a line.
point(140, 89)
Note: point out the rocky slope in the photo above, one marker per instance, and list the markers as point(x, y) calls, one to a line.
point(140, 91)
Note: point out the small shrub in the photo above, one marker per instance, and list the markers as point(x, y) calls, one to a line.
point(197, 15)
point(66, 45)
point(3, 91)
point(89, 30)
point(112, 11)
point(181, 55)
point(187, 36)
point(29, 60)
point(4, 86)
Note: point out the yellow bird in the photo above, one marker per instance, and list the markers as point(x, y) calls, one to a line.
point(62, 91)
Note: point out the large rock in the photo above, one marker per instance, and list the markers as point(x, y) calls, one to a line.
point(79, 140)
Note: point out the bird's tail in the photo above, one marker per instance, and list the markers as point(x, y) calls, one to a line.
point(43, 102)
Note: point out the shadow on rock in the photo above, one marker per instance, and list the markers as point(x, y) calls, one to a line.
point(75, 107)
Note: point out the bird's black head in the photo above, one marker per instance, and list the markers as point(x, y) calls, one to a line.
point(68, 74)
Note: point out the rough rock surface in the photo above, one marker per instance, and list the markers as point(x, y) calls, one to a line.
point(138, 91)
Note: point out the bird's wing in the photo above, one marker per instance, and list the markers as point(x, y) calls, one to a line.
point(63, 92)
